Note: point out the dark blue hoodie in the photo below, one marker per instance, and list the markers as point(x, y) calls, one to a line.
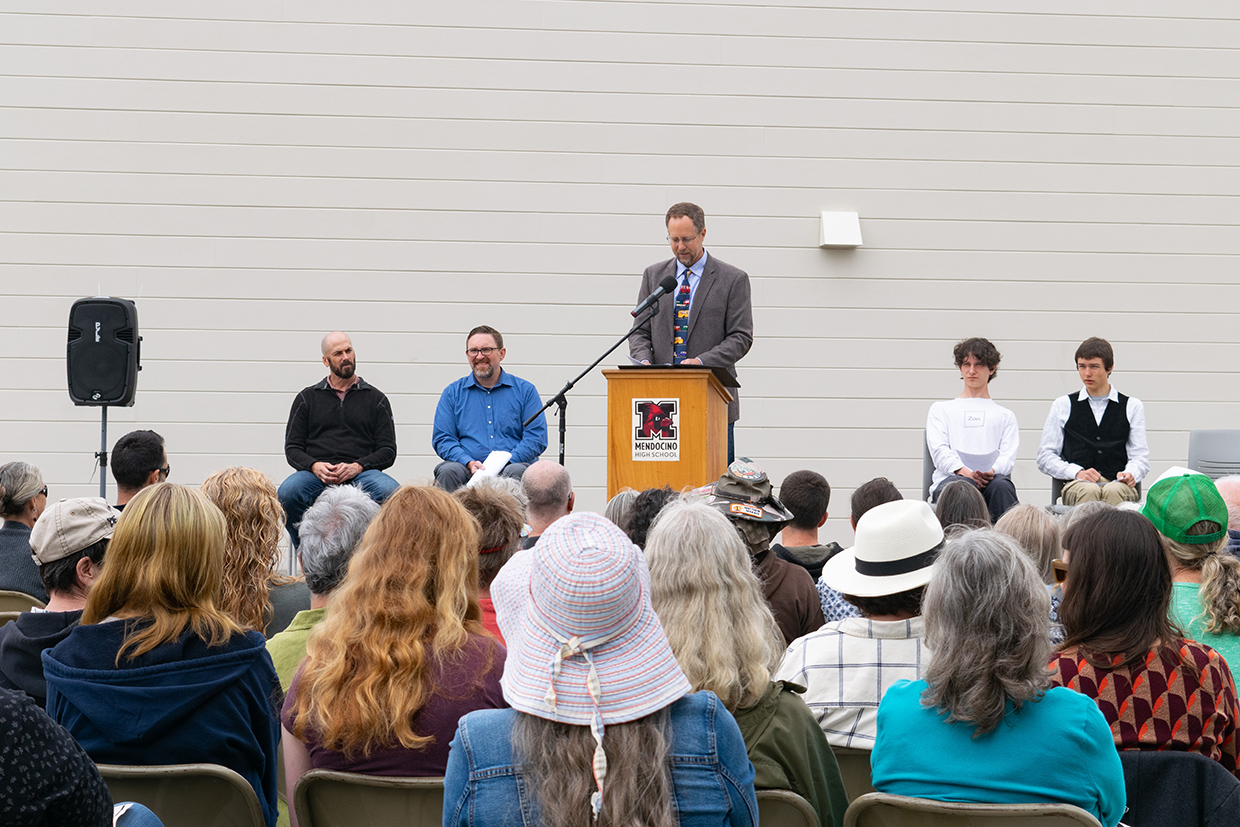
point(180, 703)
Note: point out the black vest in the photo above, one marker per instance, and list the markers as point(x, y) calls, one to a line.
point(1101, 446)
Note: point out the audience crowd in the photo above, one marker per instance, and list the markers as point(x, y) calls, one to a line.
point(657, 665)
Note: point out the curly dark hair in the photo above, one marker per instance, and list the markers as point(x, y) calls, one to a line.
point(980, 349)
point(644, 511)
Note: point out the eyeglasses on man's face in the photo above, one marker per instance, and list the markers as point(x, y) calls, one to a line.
point(474, 352)
point(676, 242)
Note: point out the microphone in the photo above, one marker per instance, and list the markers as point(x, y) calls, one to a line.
point(666, 286)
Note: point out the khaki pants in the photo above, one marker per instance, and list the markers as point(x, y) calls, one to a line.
point(1078, 491)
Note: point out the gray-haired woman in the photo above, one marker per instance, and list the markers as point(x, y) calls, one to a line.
point(701, 578)
point(982, 726)
point(23, 498)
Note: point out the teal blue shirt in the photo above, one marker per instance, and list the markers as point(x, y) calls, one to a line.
point(1055, 750)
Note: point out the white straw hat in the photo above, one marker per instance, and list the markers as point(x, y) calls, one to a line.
point(895, 550)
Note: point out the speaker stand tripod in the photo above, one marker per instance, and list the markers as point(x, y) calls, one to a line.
point(102, 454)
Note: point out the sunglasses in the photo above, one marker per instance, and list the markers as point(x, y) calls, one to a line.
point(1060, 568)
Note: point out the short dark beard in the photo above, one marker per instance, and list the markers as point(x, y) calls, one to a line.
point(343, 373)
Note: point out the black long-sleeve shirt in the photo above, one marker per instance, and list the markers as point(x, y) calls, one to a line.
point(322, 427)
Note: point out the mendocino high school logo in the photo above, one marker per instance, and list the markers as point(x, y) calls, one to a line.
point(656, 430)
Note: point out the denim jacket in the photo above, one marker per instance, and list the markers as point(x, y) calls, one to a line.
point(712, 778)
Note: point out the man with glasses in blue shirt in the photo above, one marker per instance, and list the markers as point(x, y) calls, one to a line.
point(482, 413)
point(708, 320)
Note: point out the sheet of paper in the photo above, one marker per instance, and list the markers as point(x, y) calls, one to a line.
point(492, 465)
point(979, 462)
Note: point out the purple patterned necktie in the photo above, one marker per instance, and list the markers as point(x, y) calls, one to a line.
point(680, 328)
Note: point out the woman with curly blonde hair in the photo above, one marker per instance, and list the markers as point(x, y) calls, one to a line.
point(254, 593)
point(701, 578)
point(1192, 518)
point(400, 654)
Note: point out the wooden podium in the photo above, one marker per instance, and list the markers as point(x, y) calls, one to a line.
point(665, 426)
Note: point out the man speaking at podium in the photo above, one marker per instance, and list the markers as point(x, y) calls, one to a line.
point(707, 319)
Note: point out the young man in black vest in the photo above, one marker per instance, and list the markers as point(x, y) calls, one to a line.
point(1094, 438)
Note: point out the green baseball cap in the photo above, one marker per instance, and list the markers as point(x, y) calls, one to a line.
point(1176, 504)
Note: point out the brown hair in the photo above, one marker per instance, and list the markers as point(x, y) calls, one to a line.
point(980, 349)
point(960, 504)
point(486, 330)
point(1095, 348)
point(906, 602)
point(687, 210)
point(1118, 591)
point(806, 494)
point(869, 494)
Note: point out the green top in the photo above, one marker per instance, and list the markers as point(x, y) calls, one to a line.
point(1188, 612)
point(790, 752)
point(288, 648)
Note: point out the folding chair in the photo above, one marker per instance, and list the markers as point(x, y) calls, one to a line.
point(784, 808)
point(855, 770)
point(1214, 453)
point(187, 795)
point(885, 810)
point(11, 601)
point(326, 798)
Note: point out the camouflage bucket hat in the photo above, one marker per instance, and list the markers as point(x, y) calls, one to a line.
point(744, 492)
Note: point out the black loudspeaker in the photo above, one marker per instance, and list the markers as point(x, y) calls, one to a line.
point(104, 350)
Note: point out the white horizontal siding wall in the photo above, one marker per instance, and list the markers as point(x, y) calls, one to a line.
point(262, 172)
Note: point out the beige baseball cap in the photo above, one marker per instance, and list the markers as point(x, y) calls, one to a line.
point(70, 526)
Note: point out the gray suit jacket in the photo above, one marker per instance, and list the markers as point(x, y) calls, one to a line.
point(720, 324)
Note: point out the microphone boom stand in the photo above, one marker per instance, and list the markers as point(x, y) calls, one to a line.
point(560, 400)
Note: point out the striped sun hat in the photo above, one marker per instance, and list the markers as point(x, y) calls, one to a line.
point(584, 644)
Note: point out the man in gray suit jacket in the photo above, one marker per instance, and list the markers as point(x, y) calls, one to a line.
point(720, 320)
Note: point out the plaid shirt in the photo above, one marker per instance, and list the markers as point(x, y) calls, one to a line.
point(846, 666)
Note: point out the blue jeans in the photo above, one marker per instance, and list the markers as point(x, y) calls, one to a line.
point(712, 778)
point(139, 816)
point(300, 490)
point(731, 442)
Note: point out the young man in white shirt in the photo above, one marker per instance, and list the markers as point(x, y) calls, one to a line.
point(971, 437)
point(1094, 438)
